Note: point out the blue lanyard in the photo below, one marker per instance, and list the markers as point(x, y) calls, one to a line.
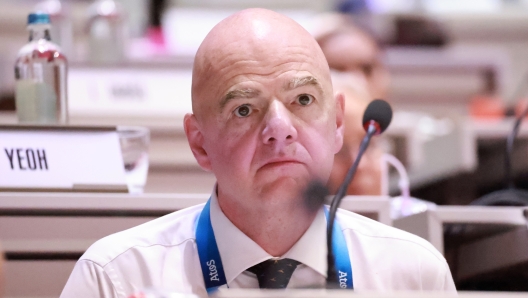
point(213, 270)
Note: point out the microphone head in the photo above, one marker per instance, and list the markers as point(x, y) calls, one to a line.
point(380, 112)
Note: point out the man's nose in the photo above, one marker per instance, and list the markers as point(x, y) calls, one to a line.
point(279, 129)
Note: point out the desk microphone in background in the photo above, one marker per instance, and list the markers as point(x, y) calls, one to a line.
point(376, 119)
point(510, 196)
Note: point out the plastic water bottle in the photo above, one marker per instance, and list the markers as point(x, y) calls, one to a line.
point(41, 76)
point(107, 30)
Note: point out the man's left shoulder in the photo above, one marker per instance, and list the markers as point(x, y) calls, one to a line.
point(386, 258)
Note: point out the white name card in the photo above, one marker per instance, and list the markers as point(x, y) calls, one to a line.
point(127, 91)
point(34, 158)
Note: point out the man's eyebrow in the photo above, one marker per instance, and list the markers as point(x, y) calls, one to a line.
point(303, 81)
point(238, 93)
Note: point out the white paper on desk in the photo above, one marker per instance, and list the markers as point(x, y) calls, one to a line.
point(71, 158)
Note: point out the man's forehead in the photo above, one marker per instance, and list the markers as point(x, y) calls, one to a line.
point(228, 54)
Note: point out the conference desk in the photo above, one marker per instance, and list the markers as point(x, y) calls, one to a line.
point(43, 234)
point(322, 293)
point(428, 156)
point(478, 241)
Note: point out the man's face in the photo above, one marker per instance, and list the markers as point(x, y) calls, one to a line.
point(268, 122)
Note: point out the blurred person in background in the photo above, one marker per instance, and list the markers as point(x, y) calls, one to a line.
point(367, 180)
point(353, 50)
point(354, 57)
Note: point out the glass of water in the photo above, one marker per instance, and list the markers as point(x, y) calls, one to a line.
point(134, 142)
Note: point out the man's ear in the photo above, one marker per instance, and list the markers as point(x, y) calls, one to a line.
point(340, 121)
point(196, 141)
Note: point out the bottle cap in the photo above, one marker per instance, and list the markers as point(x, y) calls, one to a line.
point(38, 18)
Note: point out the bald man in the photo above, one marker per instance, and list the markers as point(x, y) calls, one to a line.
point(266, 122)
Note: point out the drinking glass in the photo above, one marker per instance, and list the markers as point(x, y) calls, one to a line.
point(134, 142)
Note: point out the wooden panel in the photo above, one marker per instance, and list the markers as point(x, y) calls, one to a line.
point(36, 278)
point(59, 234)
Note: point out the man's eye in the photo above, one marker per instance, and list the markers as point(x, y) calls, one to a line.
point(243, 111)
point(305, 99)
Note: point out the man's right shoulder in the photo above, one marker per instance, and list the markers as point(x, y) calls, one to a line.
point(171, 230)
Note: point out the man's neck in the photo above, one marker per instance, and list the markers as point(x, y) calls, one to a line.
point(274, 229)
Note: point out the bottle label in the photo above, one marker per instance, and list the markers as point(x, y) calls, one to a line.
point(35, 102)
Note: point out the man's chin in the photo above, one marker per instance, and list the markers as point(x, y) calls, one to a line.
point(283, 187)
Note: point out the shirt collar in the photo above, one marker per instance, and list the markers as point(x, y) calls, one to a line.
point(239, 252)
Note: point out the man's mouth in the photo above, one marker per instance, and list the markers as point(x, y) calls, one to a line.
point(281, 162)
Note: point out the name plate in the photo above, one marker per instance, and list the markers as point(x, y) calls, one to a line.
point(61, 158)
point(129, 92)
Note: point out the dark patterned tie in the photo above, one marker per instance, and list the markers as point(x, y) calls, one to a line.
point(274, 274)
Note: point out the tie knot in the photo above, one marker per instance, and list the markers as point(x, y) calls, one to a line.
point(274, 274)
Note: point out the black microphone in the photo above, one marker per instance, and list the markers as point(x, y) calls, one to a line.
point(376, 119)
point(510, 196)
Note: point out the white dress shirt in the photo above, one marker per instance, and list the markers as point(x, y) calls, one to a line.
point(162, 254)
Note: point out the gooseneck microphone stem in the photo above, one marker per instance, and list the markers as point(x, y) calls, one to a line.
point(341, 192)
point(519, 91)
point(376, 119)
point(331, 279)
point(509, 181)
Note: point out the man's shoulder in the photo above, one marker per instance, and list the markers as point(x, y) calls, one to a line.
point(171, 230)
point(396, 259)
point(365, 228)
